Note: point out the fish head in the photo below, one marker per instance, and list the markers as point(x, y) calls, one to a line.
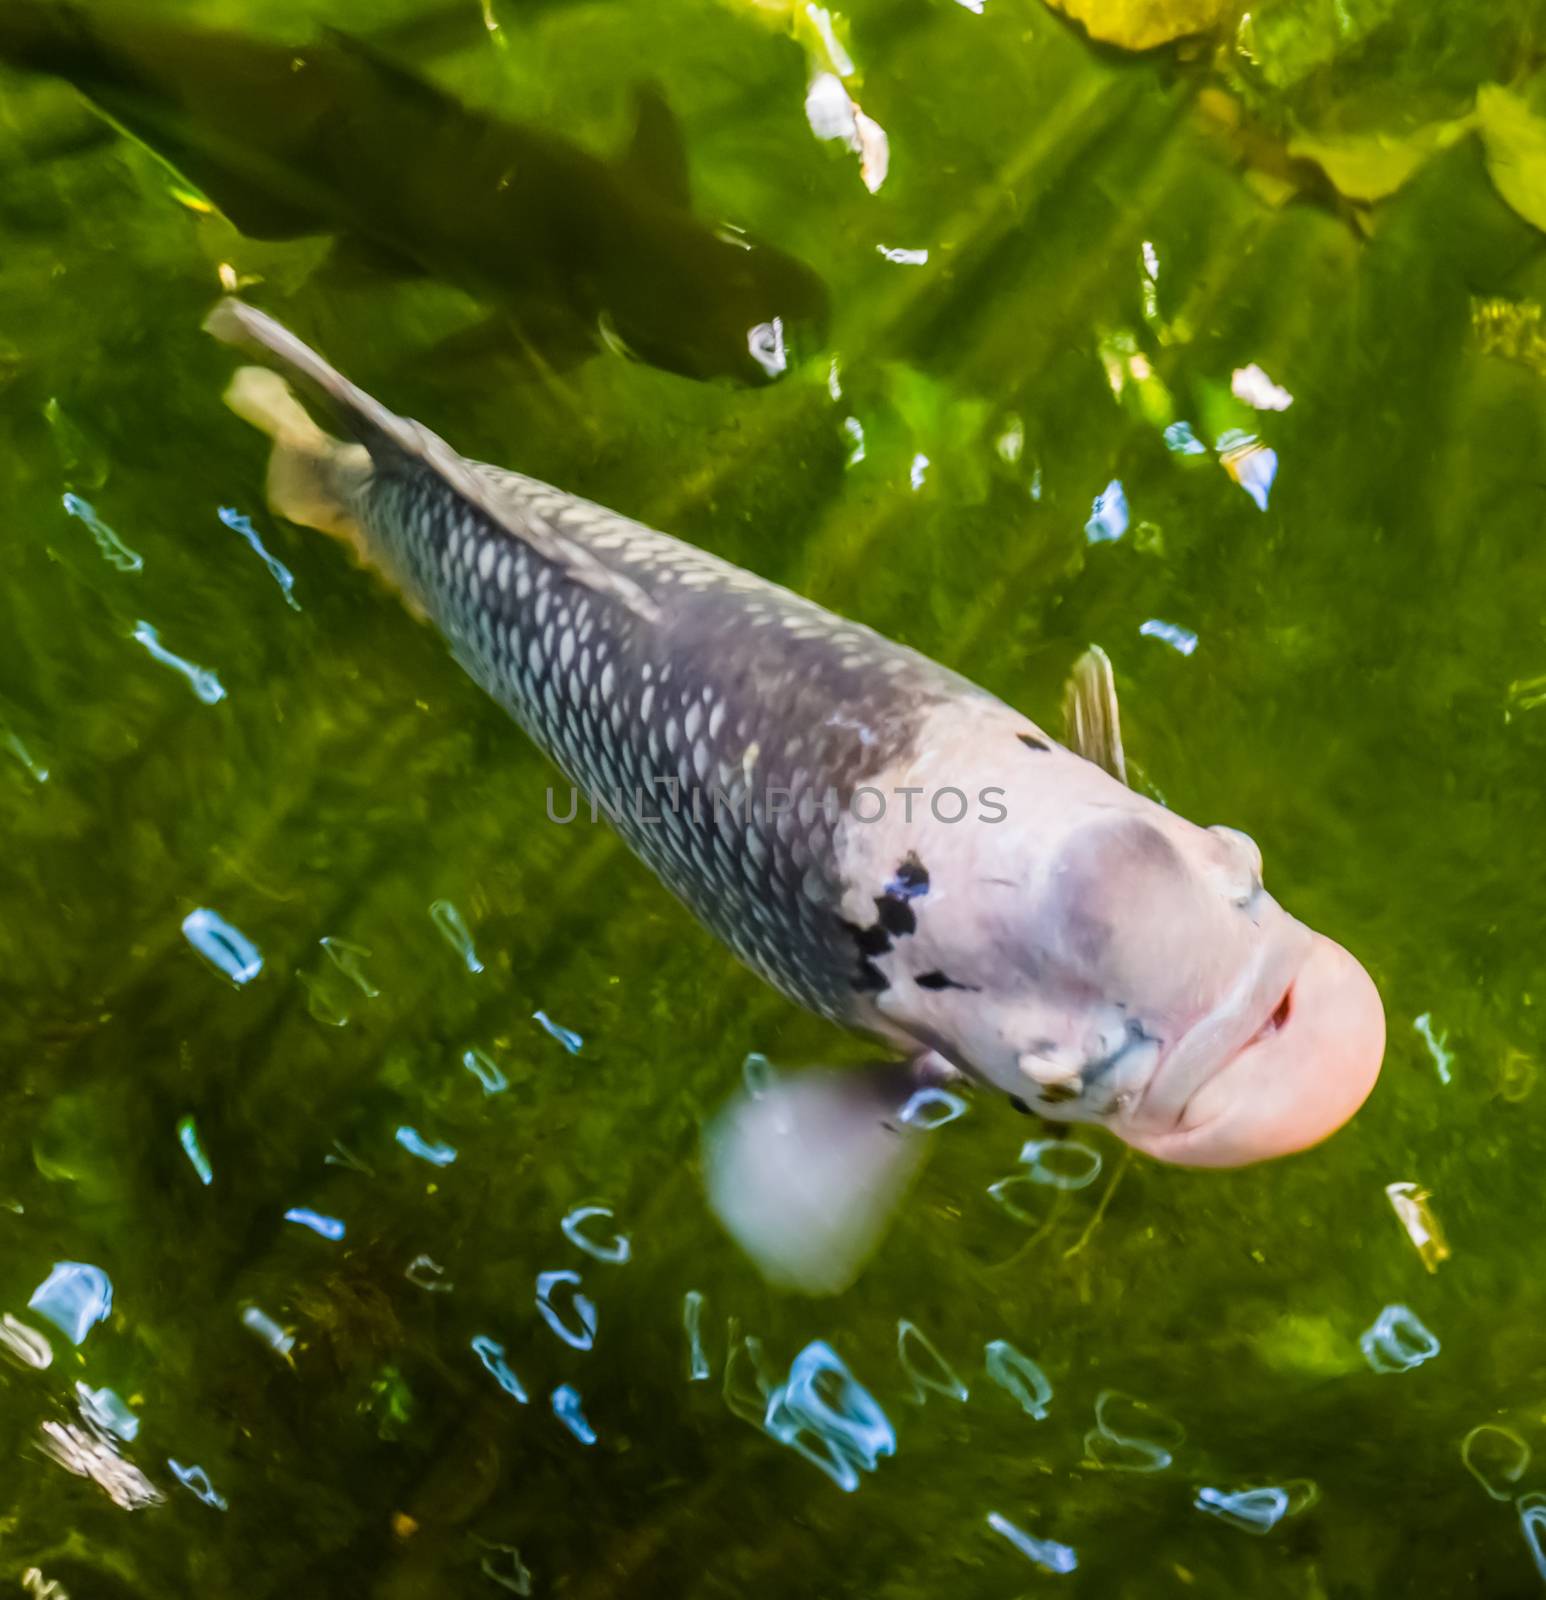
point(713, 304)
point(1100, 959)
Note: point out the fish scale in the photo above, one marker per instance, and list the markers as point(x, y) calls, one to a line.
point(734, 686)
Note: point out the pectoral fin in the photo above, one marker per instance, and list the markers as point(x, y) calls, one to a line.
point(805, 1173)
point(1092, 724)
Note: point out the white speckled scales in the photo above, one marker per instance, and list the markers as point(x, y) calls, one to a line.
point(728, 686)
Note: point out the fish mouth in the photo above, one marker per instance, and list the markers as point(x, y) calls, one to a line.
point(1299, 1075)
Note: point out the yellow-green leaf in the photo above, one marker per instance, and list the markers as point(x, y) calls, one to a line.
point(1515, 137)
point(1370, 166)
point(1144, 24)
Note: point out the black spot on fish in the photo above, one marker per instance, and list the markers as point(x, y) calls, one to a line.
point(938, 980)
point(1031, 742)
point(911, 880)
point(871, 980)
point(894, 915)
point(872, 941)
point(1054, 1094)
point(1021, 1106)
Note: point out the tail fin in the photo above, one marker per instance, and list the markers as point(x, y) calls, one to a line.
point(312, 477)
point(236, 323)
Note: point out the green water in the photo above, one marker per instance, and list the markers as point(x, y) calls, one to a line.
point(1358, 698)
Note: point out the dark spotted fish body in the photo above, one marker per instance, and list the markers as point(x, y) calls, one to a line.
point(676, 687)
point(721, 722)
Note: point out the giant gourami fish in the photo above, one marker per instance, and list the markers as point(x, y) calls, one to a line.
point(881, 840)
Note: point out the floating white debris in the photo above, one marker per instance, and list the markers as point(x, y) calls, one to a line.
point(918, 471)
point(835, 115)
point(1257, 390)
point(838, 59)
point(24, 1345)
point(1422, 1227)
point(901, 257)
point(765, 345)
point(91, 1455)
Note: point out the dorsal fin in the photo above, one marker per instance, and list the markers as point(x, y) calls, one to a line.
point(1092, 724)
point(384, 433)
point(656, 157)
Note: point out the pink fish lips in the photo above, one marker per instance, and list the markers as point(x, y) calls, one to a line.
point(1297, 1078)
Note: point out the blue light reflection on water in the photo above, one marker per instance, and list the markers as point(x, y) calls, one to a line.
point(436, 1153)
point(1047, 1554)
point(75, 1297)
point(581, 1336)
point(831, 1419)
point(277, 570)
point(205, 685)
point(325, 1227)
point(569, 1411)
point(227, 949)
point(618, 1251)
point(196, 1481)
point(492, 1355)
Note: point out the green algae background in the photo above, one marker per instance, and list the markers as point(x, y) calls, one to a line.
point(1110, 237)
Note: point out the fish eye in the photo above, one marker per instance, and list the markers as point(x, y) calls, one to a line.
point(765, 343)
